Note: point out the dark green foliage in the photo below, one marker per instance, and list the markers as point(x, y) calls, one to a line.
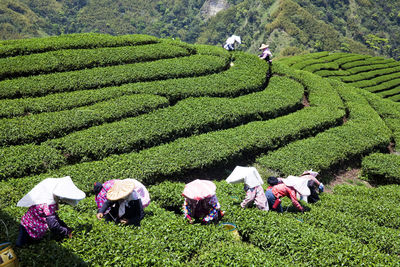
point(226, 111)
point(67, 60)
point(187, 117)
point(382, 168)
point(39, 127)
point(110, 76)
point(71, 41)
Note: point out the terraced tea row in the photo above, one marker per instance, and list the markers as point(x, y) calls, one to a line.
point(205, 110)
point(70, 41)
point(247, 75)
point(374, 74)
point(76, 59)
point(40, 85)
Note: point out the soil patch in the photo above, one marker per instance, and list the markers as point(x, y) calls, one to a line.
point(350, 177)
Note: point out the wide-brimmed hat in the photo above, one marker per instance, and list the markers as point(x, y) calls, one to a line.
point(44, 192)
point(120, 189)
point(310, 172)
point(263, 46)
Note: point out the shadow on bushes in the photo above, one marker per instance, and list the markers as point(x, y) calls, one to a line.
point(47, 252)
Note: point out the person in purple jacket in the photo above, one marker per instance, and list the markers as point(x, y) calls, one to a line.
point(266, 53)
point(43, 202)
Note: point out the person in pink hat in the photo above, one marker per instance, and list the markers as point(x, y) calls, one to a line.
point(201, 203)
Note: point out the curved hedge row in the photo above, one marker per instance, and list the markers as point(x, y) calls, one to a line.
point(395, 98)
point(371, 67)
point(328, 59)
point(367, 76)
point(322, 66)
point(114, 75)
point(319, 92)
point(294, 59)
point(351, 58)
point(247, 75)
point(39, 127)
point(76, 59)
point(71, 41)
point(389, 112)
point(333, 74)
point(386, 88)
point(382, 168)
point(187, 117)
point(376, 81)
point(368, 61)
point(19, 161)
point(362, 134)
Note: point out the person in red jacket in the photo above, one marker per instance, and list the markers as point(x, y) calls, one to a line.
point(278, 190)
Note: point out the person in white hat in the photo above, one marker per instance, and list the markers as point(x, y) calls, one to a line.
point(43, 202)
point(266, 53)
point(231, 41)
point(252, 186)
point(312, 184)
point(125, 203)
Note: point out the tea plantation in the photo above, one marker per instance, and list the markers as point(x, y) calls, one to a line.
point(99, 107)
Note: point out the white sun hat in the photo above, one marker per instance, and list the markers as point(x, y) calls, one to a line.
point(44, 192)
point(248, 175)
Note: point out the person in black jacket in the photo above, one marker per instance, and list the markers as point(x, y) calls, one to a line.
point(126, 206)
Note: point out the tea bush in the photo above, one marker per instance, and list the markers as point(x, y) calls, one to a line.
point(39, 85)
point(69, 41)
point(187, 117)
point(68, 60)
point(195, 111)
point(39, 127)
point(382, 168)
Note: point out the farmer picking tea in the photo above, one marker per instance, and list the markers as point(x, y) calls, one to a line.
point(231, 41)
point(305, 185)
point(126, 200)
point(100, 190)
point(252, 186)
point(43, 202)
point(266, 53)
point(201, 202)
point(276, 191)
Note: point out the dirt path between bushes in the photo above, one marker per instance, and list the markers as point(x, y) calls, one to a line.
point(350, 177)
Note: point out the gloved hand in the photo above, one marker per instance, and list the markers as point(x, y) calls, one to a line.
point(321, 188)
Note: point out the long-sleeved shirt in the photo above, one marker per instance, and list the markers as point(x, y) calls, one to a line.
point(265, 53)
point(257, 195)
point(133, 210)
point(41, 217)
point(206, 209)
point(101, 197)
point(281, 190)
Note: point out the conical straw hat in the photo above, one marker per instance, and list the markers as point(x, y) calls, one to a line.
point(120, 189)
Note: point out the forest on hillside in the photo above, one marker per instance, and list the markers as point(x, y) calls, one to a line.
point(289, 26)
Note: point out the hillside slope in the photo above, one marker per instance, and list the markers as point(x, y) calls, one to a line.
point(290, 26)
point(97, 107)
